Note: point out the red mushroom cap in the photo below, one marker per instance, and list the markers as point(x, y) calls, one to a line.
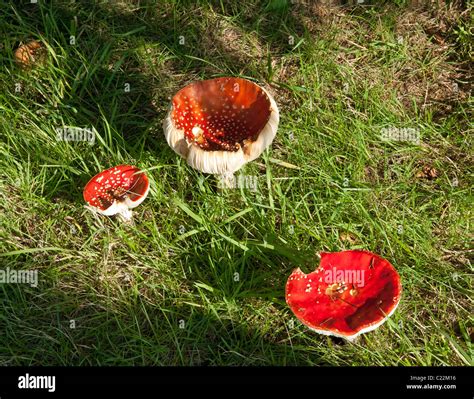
point(233, 117)
point(227, 110)
point(350, 293)
point(117, 190)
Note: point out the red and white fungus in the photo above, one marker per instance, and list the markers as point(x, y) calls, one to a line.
point(116, 191)
point(220, 124)
point(350, 293)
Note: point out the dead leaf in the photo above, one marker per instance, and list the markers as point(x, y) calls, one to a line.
point(348, 237)
point(427, 172)
point(29, 53)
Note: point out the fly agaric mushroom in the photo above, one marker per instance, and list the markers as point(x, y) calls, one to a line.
point(116, 191)
point(220, 124)
point(350, 293)
point(29, 53)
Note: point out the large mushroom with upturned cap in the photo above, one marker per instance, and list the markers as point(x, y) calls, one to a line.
point(220, 124)
point(350, 293)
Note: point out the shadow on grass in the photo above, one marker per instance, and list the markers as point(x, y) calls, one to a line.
point(54, 329)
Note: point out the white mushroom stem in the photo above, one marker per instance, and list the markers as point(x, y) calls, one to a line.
point(126, 216)
point(121, 209)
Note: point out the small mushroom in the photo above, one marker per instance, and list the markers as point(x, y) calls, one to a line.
point(220, 124)
point(350, 293)
point(29, 53)
point(116, 191)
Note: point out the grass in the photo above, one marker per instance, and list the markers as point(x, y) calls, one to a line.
point(199, 279)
